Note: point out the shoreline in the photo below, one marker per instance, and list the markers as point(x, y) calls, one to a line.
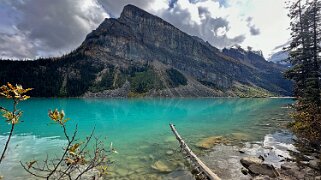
point(156, 98)
point(276, 157)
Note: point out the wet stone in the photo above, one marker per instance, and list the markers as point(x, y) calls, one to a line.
point(161, 167)
point(247, 161)
point(264, 169)
point(169, 152)
point(181, 175)
point(208, 143)
point(244, 171)
point(289, 165)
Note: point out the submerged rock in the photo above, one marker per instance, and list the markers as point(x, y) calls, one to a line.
point(169, 152)
point(144, 177)
point(181, 175)
point(161, 167)
point(144, 158)
point(210, 142)
point(170, 139)
point(121, 172)
point(239, 137)
point(151, 157)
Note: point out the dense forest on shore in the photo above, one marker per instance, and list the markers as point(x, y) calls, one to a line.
point(305, 57)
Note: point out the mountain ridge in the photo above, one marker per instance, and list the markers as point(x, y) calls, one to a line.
point(140, 54)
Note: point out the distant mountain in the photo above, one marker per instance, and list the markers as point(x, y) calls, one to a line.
point(252, 58)
point(280, 57)
point(140, 54)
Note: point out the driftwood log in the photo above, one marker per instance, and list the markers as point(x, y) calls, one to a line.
point(195, 161)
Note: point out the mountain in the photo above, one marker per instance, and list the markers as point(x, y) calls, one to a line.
point(252, 58)
point(139, 54)
point(280, 57)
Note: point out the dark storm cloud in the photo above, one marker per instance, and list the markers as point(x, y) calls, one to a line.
point(53, 27)
point(16, 46)
point(32, 28)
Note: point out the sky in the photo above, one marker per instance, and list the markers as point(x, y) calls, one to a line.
point(46, 28)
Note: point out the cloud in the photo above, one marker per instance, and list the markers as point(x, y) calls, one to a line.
point(16, 46)
point(270, 17)
point(253, 30)
point(172, 3)
point(195, 18)
point(51, 28)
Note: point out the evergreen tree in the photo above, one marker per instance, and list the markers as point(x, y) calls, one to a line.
point(305, 58)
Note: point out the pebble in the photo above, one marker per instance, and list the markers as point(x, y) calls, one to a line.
point(169, 152)
point(244, 171)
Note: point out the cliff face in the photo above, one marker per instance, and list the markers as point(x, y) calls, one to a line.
point(140, 54)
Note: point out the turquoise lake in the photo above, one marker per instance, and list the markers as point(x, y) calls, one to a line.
point(139, 128)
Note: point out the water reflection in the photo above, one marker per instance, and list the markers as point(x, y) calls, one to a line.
point(139, 127)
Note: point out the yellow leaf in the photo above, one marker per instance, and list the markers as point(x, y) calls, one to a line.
point(73, 148)
point(69, 161)
point(24, 97)
point(10, 86)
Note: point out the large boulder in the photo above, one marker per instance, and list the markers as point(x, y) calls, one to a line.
point(247, 161)
point(264, 169)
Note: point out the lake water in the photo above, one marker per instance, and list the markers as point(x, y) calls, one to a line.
point(139, 129)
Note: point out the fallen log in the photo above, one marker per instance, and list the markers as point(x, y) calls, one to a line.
point(200, 166)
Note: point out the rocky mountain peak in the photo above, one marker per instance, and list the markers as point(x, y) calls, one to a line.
point(133, 13)
point(237, 52)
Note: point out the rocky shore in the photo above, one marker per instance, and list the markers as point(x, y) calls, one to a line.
point(274, 158)
point(234, 157)
point(290, 169)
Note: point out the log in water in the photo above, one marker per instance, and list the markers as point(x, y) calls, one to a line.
point(198, 163)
